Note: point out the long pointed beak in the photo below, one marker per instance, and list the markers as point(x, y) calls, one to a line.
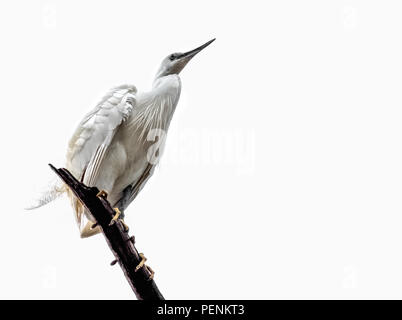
point(192, 53)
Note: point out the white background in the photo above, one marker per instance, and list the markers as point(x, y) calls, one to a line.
point(282, 173)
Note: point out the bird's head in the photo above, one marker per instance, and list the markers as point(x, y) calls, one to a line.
point(175, 62)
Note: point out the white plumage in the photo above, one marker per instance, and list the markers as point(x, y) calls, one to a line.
point(110, 147)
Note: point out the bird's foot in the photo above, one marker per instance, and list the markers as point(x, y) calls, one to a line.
point(152, 273)
point(126, 228)
point(93, 226)
point(148, 268)
point(117, 217)
point(102, 194)
point(142, 262)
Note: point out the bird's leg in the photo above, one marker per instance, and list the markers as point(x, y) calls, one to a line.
point(103, 194)
point(126, 228)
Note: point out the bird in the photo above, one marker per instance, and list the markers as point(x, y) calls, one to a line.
point(117, 145)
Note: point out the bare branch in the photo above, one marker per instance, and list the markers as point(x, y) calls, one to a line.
point(138, 275)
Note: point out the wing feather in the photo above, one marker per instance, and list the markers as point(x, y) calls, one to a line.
point(90, 142)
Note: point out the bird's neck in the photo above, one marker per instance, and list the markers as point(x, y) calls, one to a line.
point(156, 108)
point(165, 80)
point(167, 87)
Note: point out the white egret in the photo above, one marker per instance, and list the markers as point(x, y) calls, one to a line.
point(110, 147)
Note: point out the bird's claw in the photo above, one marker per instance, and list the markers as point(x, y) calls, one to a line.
point(126, 228)
point(93, 226)
point(102, 194)
point(117, 217)
point(148, 268)
point(142, 262)
point(152, 273)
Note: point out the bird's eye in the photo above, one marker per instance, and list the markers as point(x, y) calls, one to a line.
point(172, 56)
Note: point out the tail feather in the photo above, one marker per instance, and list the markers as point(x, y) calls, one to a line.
point(78, 208)
point(54, 191)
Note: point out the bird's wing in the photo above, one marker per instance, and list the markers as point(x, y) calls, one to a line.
point(89, 144)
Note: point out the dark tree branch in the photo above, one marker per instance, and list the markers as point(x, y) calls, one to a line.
point(138, 275)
